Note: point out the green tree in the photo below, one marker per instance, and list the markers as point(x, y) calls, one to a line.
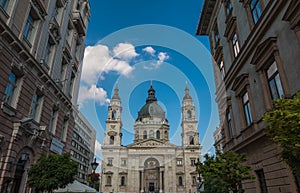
point(284, 129)
point(93, 180)
point(224, 172)
point(52, 172)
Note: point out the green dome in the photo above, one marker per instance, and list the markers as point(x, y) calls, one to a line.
point(151, 108)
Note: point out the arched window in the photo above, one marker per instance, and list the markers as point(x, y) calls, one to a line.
point(111, 140)
point(123, 181)
point(108, 180)
point(151, 134)
point(191, 140)
point(157, 134)
point(113, 115)
point(189, 114)
point(166, 135)
point(180, 181)
point(145, 135)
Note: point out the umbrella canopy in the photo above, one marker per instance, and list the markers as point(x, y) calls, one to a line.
point(76, 187)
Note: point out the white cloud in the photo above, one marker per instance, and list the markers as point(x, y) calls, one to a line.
point(162, 57)
point(150, 50)
point(98, 60)
point(125, 51)
point(93, 93)
point(98, 148)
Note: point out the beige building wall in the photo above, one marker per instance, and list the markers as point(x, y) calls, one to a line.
point(254, 48)
point(151, 163)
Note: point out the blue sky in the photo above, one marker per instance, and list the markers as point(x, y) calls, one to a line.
point(132, 42)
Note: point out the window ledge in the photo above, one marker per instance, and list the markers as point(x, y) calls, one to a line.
point(7, 109)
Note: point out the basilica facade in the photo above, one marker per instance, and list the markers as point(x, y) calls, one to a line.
point(151, 163)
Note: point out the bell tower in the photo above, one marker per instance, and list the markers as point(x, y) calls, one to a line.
point(113, 134)
point(189, 123)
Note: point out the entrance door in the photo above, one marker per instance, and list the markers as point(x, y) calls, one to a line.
point(151, 187)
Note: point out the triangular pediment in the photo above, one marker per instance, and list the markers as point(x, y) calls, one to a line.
point(151, 143)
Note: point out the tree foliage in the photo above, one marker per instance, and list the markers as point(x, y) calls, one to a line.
point(52, 172)
point(93, 180)
point(224, 172)
point(284, 129)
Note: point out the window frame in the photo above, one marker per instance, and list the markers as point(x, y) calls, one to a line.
point(109, 162)
point(36, 105)
point(264, 56)
point(64, 130)
point(123, 181)
point(248, 117)
point(180, 181)
point(53, 120)
point(229, 123)
point(274, 77)
point(228, 7)
point(179, 162)
point(235, 45)
point(255, 8)
point(108, 180)
point(144, 134)
point(157, 134)
point(241, 86)
point(261, 181)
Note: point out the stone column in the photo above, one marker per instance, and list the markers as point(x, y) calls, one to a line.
point(142, 181)
point(160, 181)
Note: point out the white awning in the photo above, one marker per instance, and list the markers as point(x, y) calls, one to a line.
point(76, 187)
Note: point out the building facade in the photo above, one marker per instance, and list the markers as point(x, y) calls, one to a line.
point(255, 46)
point(41, 51)
point(83, 146)
point(151, 163)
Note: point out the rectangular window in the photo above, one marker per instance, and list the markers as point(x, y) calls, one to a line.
point(216, 35)
point(247, 109)
point(229, 124)
point(108, 180)
point(256, 10)
point(123, 162)
point(29, 27)
point(193, 162)
point(53, 119)
point(36, 106)
point(222, 69)
point(235, 45)
point(109, 162)
point(180, 183)
point(228, 7)
point(64, 130)
point(262, 181)
point(69, 36)
point(4, 4)
point(48, 53)
point(71, 85)
point(10, 88)
point(274, 82)
point(194, 180)
point(123, 181)
point(179, 162)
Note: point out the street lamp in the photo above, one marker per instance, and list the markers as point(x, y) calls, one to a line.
point(200, 184)
point(94, 167)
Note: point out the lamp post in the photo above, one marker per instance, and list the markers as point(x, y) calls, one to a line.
point(94, 165)
point(200, 183)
